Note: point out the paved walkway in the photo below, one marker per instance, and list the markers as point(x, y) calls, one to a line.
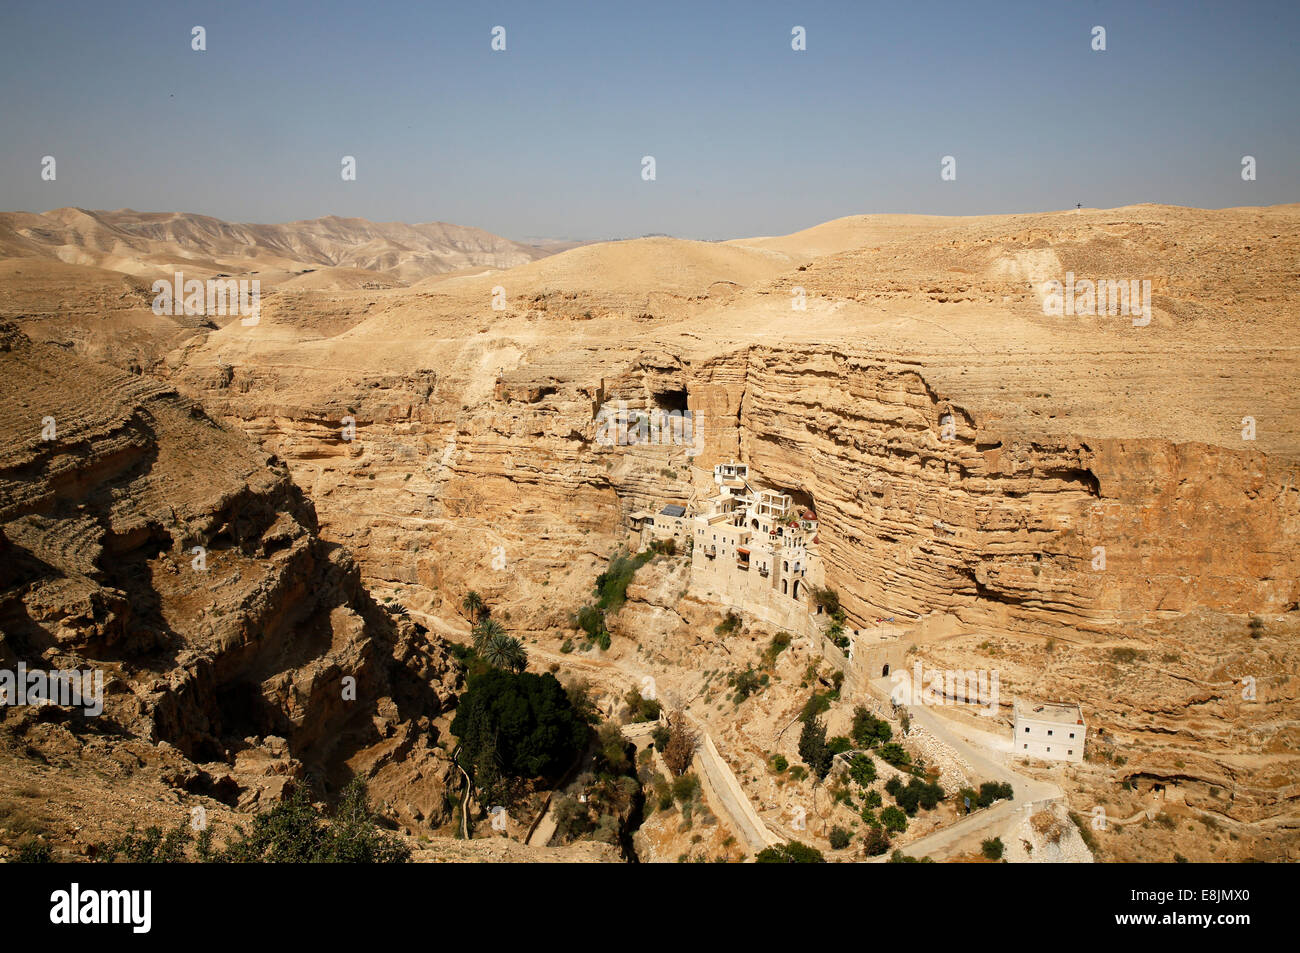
point(969, 832)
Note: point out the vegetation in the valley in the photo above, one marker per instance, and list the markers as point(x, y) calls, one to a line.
point(293, 831)
point(513, 726)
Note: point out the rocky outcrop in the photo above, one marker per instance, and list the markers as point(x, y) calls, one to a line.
point(145, 541)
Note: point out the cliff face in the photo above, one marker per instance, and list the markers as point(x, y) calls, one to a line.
point(925, 506)
point(145, 541)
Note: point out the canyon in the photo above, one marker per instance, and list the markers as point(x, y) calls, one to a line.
point(1042, 489)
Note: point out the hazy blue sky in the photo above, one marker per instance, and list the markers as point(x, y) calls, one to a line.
point(546, 139)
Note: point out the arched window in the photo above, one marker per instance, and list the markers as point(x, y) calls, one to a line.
point(785, 583)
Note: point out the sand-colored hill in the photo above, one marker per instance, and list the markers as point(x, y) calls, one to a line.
point(149, 243)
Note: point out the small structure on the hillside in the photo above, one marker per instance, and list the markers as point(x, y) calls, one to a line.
point(669, 523)
point(1051, 730)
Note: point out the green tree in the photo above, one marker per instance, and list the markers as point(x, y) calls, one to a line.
point(506, 652)
point(473, 605)
point(894, 819)
point(523, 722)
point(485, 630)
point(813, 748)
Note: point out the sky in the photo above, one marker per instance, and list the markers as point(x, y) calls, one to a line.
point(546, 138)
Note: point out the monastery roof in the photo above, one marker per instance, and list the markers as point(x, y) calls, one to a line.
point(1065, 713)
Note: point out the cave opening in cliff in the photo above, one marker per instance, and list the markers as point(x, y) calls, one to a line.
point(671, 401)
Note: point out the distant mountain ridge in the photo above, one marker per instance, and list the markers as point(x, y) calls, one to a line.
point(146, 243)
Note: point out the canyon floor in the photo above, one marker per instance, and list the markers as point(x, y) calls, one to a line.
point(1103, 508)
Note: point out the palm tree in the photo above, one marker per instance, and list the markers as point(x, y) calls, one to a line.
point(485, 632)
point(507, 652)
point(473, 605)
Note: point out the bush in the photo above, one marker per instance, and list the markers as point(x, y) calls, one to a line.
point(780, 642)
point(894, 754)
point(745, 684)
point(730, 623)
point(682, 741)
point(862, 769)
point(898, 857)
point(685, 788)
point(893, 819)
point(828, 599)
point(839, 838)
point(839, 744)
point(642, 709)
point(34, 852)
point(992, 849)
point(868, 730)
point(792, 852)
point(293, 831)
point(991, 791)
point(813, 748)
point(611, 585)
point(779, 763)
point(876, 842)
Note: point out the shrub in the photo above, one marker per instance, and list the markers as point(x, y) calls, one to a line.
point(992, 848)
point(682, 741)
point(1126, 654)
point(898, 857)
point(876, 842)
point(33, 852)
point(792, 852)
point(839, 838)
point(779, 763)
point(745, 684)
point(868, 730)
point(780, 642)
point(893, 753)
point(729, 624)
point(893, 819)
point(813, 748)
point(642, 709)
point(292, 831)
point(862, 769)
point(611, 585)
point(828, 599)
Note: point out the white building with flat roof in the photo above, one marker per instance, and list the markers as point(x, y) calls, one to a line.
point(1054, 731)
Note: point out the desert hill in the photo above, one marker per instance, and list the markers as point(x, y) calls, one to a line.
point(153, 243)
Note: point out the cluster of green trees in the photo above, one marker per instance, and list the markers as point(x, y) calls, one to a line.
point(292, 832)
point(989, 792)
point(915, 794)
point(514, 726)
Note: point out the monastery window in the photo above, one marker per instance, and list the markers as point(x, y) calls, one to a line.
point(1072, 734)
point(1026, 729)
point(1070, 751)
point(1049, 732)
point(1026, 747)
